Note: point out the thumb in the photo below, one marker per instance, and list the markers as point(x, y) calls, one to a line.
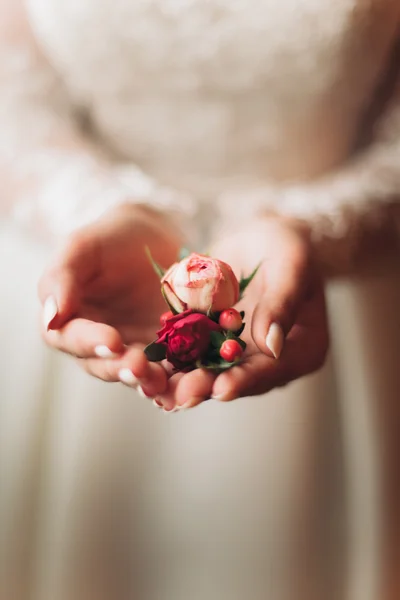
point(276, 312)
point(60, 286)
point(59, 295)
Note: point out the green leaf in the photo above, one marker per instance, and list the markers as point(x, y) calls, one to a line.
point(217, 339)
point(242, 343)
point(175, 304)
point(171, 308)
point(214, 316)
point(160, 271)
point(245, 281)
point(155, 352)
point(183, 253)
point(219, 366)
point(240, 331)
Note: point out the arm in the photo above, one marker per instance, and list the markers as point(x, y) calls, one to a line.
point(53, 177)
point(344, 221)
point(99, 294)
point(351, 214)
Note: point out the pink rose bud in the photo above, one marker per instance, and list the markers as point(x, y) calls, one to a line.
point(231, 350)
point(230, 320)
point(200, 283)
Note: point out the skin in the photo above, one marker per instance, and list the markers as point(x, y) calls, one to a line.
point(107, 295)
point(287, 290)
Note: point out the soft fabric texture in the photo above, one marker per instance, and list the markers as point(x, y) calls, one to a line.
point(200, 107)
point(259, 103)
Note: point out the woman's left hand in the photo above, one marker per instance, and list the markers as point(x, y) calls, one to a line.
point(286, 324)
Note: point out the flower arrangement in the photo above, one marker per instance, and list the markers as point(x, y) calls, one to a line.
point(202, 328)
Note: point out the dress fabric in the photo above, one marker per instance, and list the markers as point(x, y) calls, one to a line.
point(202, 108)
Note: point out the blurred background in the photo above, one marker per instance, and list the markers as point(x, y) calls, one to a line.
point(290, 496)
point(102, 496)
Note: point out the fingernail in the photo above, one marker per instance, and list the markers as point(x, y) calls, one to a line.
point(191, 403)
point(274, 340)
point(104, 352)
point(219, 397)
point(158, 404)
point(140, 391)
point(127, 377)
point(225, 397)
point(50, 310)
point(171, 410)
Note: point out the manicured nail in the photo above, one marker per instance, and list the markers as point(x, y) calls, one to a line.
point(104, 352)
point(219, 397)
point(50, 310)
point(171, 410)
point(191, 403)
point(274, 340)
point(140, 391)
point(127, 377)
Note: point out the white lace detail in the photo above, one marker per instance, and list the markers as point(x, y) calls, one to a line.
point(76, 190)
point(336, 206)
point(53, 179)
point(339, 209)
point(167, 85)
point(342, 206)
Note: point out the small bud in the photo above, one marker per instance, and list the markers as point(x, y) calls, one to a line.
point(165, 316)
point(230, 320)
point(231, 350)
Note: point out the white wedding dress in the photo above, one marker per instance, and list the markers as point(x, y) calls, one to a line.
point(203, 107)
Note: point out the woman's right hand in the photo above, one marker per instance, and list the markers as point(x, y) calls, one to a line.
point(101, 298)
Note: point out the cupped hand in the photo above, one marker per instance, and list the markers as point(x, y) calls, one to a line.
point(101, 298)
point(286, 324)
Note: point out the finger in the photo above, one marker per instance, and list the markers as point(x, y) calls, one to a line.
point(258, 374)
point(84, 339)
point(114, 370)
point(134, 334)
point(276, 312)
point(305, 351)
point(132, 369)
point(60, 297)
point(194, 388)
point(147, 377)
point(168, 398)
point(60, 286)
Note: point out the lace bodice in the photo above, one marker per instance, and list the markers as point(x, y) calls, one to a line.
point(209, 92)
point(222, 100)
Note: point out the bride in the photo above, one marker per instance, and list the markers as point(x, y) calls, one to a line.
point(266, 131)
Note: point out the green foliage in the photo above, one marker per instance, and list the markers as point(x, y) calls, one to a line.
point(160, 271)
point(155, 352)
point(217, 339)
point(171, 308)
point(245, 281)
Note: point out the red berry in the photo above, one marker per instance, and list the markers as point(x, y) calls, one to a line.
point(165, 316)
point(231, 350)
point(230, 320)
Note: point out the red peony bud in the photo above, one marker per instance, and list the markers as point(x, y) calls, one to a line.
point(165, 316)
point(230, 320)
point(186, 338)
point(231, 350)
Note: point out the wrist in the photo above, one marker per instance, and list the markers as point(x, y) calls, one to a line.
point(297, 227)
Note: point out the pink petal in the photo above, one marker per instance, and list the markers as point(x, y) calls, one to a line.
point(172, 298)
